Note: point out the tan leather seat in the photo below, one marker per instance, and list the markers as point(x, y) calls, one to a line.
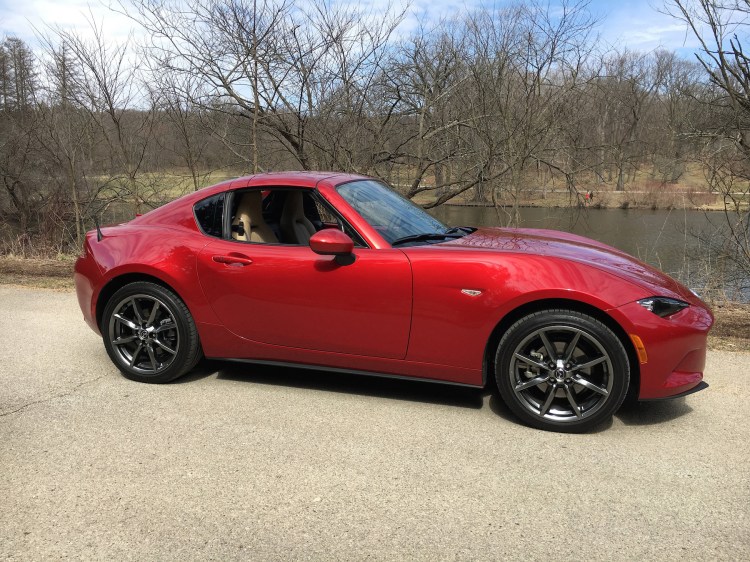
point(295, 226)
point(250, 213)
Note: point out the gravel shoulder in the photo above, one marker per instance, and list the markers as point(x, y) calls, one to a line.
point(248, 462)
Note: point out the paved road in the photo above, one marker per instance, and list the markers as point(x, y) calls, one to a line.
point(244, 462)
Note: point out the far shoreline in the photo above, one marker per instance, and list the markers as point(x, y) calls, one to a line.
point(624, 200)
point(594, 206)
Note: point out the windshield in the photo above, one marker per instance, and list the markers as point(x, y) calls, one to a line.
point(390, 214)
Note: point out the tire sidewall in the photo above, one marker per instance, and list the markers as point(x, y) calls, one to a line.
point(611, 343)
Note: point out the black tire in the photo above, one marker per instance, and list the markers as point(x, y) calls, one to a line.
point(571, 383)
point(149, 333)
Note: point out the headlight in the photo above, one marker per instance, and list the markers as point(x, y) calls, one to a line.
point(663, 306)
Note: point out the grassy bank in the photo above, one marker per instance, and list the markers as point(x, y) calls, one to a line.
point(602, 199)
point(38, 272)
point(730, 333)
point(644, 190)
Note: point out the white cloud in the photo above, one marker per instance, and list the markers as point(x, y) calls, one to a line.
point(641, 26)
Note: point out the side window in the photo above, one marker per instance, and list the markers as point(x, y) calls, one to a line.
point(282, 215)
point(324, 214)
point(209, 214)
point(328, 219)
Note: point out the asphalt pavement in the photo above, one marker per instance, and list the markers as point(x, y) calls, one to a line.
point(259, 463)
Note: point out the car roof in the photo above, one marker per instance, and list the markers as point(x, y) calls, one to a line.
point(292, 179)
point(300, 179)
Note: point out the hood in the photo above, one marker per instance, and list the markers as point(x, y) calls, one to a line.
point(566, 246)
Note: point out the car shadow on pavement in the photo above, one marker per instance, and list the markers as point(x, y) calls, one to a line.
point(652, 413)
point(631, 413)
point(327, 381)
point(205, 368)
point(497, 405)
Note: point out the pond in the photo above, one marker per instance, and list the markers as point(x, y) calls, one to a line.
point(668, 239)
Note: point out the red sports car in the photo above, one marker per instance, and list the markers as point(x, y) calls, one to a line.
point(338, 272)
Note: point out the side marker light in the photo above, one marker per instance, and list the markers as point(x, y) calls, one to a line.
point(640, 349)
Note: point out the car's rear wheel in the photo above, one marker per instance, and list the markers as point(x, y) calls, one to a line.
point(149, 333)
point(561, 370)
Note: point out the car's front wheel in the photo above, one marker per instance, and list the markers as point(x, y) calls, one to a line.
point(561, 370)
point(149, 333)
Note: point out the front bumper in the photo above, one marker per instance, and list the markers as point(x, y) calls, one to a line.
point(676, 348)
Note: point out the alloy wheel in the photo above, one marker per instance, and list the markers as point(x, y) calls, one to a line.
point(144, 335)
point(561, 373)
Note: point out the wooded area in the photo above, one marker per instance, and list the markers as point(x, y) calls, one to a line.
point(485, 106)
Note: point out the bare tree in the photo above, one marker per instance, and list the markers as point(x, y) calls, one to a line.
point(63, 129)
point(174, 97)
point(18, 158)
point(518, 69)
point(110, 89)
point(278, 65)
point(423, 81)
point(722, 29)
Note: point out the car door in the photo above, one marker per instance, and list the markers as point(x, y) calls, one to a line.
point(290, 296)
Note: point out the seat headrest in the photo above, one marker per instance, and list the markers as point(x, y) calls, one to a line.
point(251, 205)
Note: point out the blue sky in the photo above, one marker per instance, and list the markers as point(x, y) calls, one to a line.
point(639, 25)
point(636, 24)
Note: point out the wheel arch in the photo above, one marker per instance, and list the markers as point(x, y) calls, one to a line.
point(116, 283)
point(544, 304)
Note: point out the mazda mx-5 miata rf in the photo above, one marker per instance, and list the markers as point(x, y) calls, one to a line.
point(338, 272)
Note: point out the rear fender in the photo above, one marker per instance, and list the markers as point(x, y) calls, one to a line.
point(166, 255)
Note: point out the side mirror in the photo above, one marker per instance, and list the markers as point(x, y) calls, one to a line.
point(331, 242)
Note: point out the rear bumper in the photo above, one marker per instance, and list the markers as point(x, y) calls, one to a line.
point(87, 278)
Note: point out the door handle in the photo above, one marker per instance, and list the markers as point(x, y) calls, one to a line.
point(233, 260)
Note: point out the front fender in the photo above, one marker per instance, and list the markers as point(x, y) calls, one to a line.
point(452, 327)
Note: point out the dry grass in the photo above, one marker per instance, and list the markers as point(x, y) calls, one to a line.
point(37, 282)
point(731, 332)
point(40, 273)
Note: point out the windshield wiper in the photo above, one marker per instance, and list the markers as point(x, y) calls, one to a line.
point(455, 232)
point(460, 230)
